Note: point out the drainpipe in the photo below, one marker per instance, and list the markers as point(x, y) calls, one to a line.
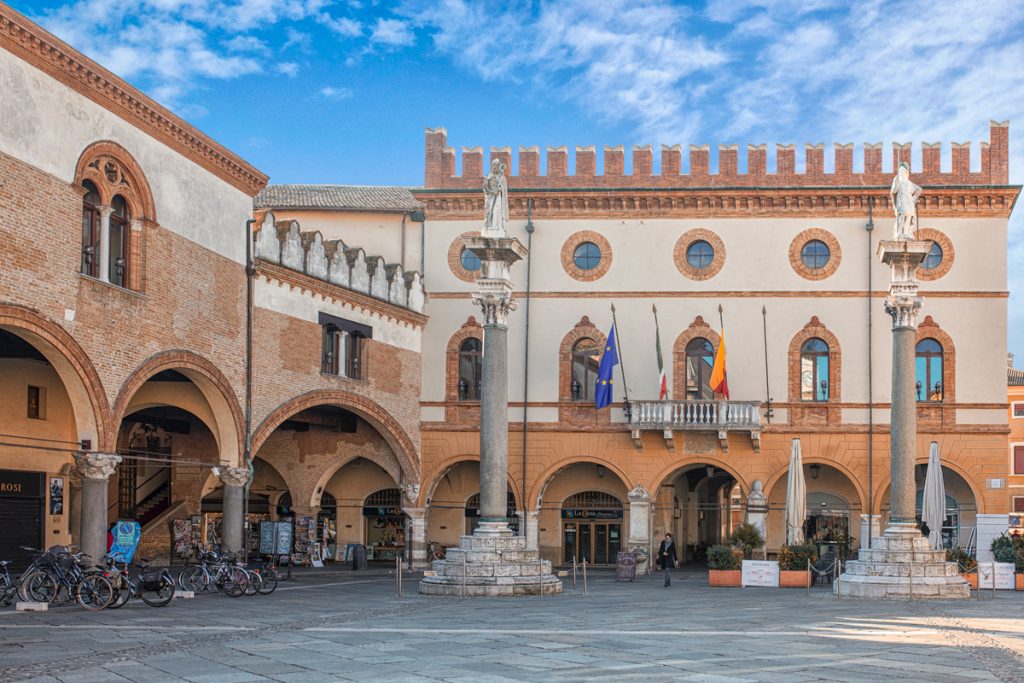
point(526, 355)
point(404, 216)
point(247, 452)
point(871, 405)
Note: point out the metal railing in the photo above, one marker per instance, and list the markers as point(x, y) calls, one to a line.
point(695, 415)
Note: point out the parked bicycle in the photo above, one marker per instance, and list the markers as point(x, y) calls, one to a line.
point(267, 572)
point(154, 586)
point(223, 573)
point(8, 589)
point(58, 576)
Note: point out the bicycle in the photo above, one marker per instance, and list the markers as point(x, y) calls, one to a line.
point(7, 588)
point(216, 573)
point(154, 587)
point(58, 572)
point(267, 573)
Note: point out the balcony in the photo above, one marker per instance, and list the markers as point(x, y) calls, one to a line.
point(721, 417)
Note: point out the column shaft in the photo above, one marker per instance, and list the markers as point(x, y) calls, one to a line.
point(494, 425)
point(902, 441)
point(232, 523)
point(104, 251)
point(94, 522)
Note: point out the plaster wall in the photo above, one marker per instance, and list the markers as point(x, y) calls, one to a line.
point(378, 233)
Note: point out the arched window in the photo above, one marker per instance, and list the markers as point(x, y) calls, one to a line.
point(469, 370)
point(118, 263)
point(586, 357)
point(928, 368)
point(814, 370)
point(90, 230)
point(700, 359)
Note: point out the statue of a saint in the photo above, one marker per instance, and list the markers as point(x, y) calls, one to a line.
point(904, 195)
point(496, 202)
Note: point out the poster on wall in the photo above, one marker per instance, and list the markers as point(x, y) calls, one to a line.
point(56, 495)
point(125, 539)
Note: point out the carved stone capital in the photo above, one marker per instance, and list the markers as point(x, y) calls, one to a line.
point(495, 307)
point(105, 211)
point(234, 476)
point(411, 492)
point(639, 494)
point(96, 465)
point(903, 310)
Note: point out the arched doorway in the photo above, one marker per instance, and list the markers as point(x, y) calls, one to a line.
point(472, 513)
point(833, 510)
point(385, 527)
point(959, 525)
point(591, 528)
point(700, 504)
point(453, 502)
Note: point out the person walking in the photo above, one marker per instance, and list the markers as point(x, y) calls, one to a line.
point(667, 557)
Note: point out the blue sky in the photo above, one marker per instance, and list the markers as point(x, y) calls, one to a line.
point(340, 91)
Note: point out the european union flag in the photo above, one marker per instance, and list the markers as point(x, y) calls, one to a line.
point(609, 359)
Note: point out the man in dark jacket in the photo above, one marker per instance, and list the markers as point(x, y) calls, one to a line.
point(667, 557)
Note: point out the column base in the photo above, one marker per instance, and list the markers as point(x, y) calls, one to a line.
point(491, 563)
point(901, 565)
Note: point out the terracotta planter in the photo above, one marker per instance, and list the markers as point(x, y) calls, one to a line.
point(972, 579)
point(724, 577)
point(794, 578)
point(1020, 581)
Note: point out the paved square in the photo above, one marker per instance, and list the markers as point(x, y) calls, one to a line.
point(340, 626)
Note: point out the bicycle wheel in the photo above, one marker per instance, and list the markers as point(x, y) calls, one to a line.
point(235, 582)
point(122, 592)
point(94, 592)
point(193, 578)
point(38, 586)
point(269, 578)
point(255, 582)
point(162, 596)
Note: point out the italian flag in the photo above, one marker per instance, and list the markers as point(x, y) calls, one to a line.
point(662, 378)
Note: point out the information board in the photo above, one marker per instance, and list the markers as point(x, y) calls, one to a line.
point(126, 535)
point(281, 532)
point(760, 573)
point(1004, 577)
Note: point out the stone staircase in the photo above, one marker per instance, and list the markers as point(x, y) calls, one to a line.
point(901, 565)
point(491, 562)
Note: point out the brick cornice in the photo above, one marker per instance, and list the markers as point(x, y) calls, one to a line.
point(46, 52)
point(718, 202)
point(328, 290)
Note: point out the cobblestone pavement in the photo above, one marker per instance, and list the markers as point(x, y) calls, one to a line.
point(341, 626)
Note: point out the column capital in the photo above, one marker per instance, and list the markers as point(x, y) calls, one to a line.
point(96, 465)
point(639, 495)
point(411, 492)
point(495, 307)
point(105, 211)
point(234, 476)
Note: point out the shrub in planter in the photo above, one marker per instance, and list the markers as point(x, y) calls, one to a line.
point(793, 559)
point(748, 538)
point(724, 564)
point(967, 564)
point(1003, 550)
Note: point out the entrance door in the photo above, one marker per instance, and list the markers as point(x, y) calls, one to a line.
point(595, 542)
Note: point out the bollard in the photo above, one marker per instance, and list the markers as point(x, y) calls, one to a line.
point(809, 577)
point(910, 578)
point(574, 572)
point(993, 579)
point(398, 575)
point(839, 579)
point(463, 576)
point(540, 576)
point(585, 591)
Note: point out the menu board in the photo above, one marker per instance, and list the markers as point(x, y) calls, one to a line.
point(760, 573)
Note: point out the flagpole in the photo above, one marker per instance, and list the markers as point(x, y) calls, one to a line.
point(657, 333)
point(622, 364)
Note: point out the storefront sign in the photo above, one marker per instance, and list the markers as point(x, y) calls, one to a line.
point(126, 539)
point(576, 513)
point(1004, 578)
point(760, 573)
point(382, 512)
point(18, 484)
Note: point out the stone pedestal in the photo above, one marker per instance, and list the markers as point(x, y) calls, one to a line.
point(757, 508)
point(901, 565)
point(491, 562)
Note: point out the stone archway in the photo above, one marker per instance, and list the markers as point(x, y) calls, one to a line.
point(835, 504)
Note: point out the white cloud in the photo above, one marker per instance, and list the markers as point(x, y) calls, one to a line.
point(331, 92)
point(290, 69)
point(392, 32)
point(342, 26)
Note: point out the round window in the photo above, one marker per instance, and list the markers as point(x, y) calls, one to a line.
point(469, 260)
point(700, 254)
point(934, 257)
point(587, 256)
point(815, 254)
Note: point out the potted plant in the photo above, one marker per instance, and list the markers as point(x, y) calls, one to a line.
point(967, 564)
point(724, 563)
point(793, 565)
point(747, 538)
point(1018, 562)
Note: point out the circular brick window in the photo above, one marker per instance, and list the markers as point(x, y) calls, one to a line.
point(940, 257)
point(586, 256)
point(463, 263)
point(699, 254)
point(815, 254)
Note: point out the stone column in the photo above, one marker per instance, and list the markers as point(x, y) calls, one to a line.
point(104, 251)
point(95, 469)
point(757, 509)
point(234, 480)
point(74, 491)
point(903, 304)
point(494, 296)
point(416, 536)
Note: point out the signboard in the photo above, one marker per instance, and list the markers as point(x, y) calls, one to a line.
point(126, 539)
point(1004, 578)
point(1016, 521)
point(382, 511)
point(625, 566)
point(18, 484)
point(760, 573)
point(577, 513)
point(275, 538)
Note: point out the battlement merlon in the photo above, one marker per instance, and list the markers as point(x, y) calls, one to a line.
point(440, 172)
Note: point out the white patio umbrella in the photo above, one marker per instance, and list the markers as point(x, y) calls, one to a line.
point(933, 508)
point(796, 497)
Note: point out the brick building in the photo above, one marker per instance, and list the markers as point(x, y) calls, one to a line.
point(125, 318)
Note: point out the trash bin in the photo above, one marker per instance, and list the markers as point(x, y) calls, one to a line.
point(359, 557)
point(625, 566)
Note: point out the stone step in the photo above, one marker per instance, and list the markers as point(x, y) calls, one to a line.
point(483, 569)
point(480, 542)
point(898, 569)
point(494, 587)
point(458, 554)
point(881, 587)
point(914, 556)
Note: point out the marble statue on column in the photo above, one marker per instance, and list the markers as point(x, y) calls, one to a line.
point(904, 194)
point(496, 201)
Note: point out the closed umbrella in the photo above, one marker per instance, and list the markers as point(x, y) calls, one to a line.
point(933, 507)
point(796, 497)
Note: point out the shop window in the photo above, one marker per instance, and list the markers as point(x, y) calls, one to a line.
point(586, 359)
point(928, 368)
point(700, 359)
point(814, 370)
point(36, 403)
point(118, 242)
point(470, 371)
point(342, 347)
point(90, 230)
